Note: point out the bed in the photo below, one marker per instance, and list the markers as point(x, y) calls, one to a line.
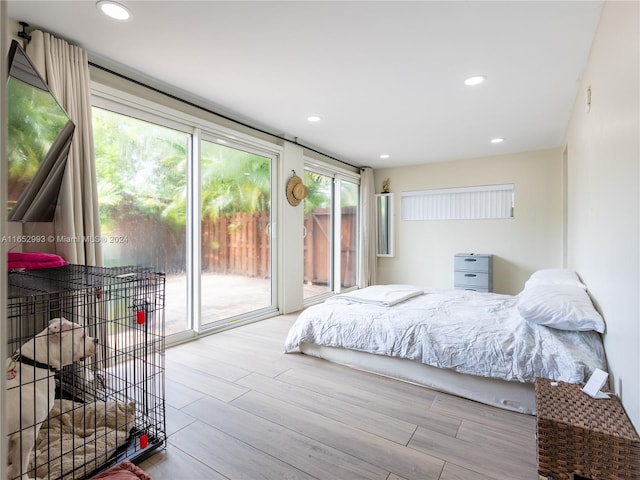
point(484, 346)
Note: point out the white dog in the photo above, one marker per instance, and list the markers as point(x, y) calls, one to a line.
point(31, 385)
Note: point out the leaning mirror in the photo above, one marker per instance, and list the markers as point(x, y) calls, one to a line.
point(384, 224)
point(39, 134)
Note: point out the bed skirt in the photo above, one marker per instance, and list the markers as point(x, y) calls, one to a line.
point(514, 396)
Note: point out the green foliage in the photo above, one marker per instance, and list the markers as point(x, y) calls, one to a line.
point(34, 120)
point(233, 181)
point(320, 192)
point(142, 174)
point(141, 170)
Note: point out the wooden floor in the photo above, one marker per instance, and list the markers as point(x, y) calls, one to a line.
point(239, 408)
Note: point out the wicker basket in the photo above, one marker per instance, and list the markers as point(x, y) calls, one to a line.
point(580, 435)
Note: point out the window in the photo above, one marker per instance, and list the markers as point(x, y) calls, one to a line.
point(487, 201)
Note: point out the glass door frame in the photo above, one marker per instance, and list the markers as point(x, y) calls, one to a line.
point(231, 139)
point(133, 105)
point(338, 175)
point(330, 261)
point(338, 180)
point(125, 104)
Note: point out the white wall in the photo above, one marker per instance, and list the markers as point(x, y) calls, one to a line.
point(531, 240)
point(603, 183)
point(291, 242)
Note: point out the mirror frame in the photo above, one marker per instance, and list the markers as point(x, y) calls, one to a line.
point(384, 225)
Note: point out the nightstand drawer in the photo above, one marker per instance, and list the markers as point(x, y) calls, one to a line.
point(473, 271)
point(471, 279)
point(471, 262)
point(473, 289)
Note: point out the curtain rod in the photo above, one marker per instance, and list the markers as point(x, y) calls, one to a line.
point(226, 117)
point(23, 33)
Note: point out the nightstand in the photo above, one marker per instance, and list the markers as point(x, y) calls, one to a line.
point(473, 271)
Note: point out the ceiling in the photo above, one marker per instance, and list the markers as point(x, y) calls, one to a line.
point(385, 77)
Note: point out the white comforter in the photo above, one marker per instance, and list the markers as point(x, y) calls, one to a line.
point(475, 333)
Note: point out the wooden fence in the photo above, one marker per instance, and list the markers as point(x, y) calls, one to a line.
point(317, 244)
point(238, 244)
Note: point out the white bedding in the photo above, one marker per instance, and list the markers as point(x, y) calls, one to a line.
point(468, 332)
point(383, 295)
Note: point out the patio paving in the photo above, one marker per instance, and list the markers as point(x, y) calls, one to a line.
point(223, 296)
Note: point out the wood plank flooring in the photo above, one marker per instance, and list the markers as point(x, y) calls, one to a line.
point(239, 408)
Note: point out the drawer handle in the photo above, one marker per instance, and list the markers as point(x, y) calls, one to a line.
point(469, 259)
point(469, 274)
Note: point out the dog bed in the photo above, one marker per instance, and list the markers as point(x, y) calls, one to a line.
point(77, 438)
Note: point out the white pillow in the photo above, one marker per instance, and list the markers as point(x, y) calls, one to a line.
point(563, 307)
point(554, 276)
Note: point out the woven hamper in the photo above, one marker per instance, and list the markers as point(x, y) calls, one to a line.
point(581, 435)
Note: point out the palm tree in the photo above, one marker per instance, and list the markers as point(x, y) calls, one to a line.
point(233, 181)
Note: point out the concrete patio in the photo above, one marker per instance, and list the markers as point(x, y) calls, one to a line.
point(223, 296)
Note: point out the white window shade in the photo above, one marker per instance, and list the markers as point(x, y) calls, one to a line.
point(486, 201)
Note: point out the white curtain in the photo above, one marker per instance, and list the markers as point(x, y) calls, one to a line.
point(368, 228)
point(65, 68)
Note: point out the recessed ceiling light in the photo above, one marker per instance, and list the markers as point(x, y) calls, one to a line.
point(114, 10)
point(313, 118)
point(497, 140)
point(384, 155)
point(475, 80)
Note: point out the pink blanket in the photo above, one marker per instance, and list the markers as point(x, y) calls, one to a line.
point(33, 260)
point(124, 471)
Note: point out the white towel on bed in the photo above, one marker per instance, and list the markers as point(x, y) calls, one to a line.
point(383, 295)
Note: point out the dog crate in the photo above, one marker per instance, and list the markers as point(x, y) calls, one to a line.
point(108, 407)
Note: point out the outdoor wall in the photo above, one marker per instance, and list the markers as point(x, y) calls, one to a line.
point(603, 201)
point(520, 245)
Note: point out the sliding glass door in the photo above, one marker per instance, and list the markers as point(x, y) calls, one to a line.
point(348, 210)
point(193, 206)
point(142, 191)
point(330, 232)
point(318, 232)
point(235, 190)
